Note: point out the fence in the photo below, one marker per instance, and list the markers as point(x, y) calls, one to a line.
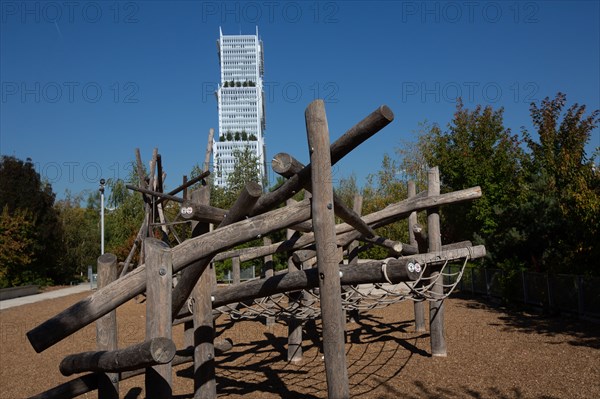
point(564, 293)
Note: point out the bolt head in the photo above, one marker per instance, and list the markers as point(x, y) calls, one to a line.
point(162, 271)
point(411, 267)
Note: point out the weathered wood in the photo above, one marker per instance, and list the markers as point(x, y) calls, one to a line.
point(191, 253)
point(357, 208)
point(436, 309)
point(159, 272)
point(190, 276)
point(419, 306)
point(336, 372)
point(106, 329)
point(235, 270)
point(151, 352)
point(366, 272)
point(154, 193)
point(287, 166)
point(185, 185)
point(268, 260)
point(294, 348)
point(192, 210)
point(351, 139)
point(202, 325)
point(89, 382)
point(381, 218)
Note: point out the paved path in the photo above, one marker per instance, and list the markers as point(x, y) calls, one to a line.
point(10, 303)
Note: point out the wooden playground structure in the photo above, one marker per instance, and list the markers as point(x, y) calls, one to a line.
point(325, 277)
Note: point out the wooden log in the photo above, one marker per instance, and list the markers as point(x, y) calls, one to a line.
point(351, 139)
point(186, 184)
point(202, 325)
point(154, 193)
point(419, 306)
point(381, 218)
point(436, 309)
point(336, 371)
point(192, 210)
point(152, 352)
point(190, 253)
point(357, 208)
point(190, 276)
point(106, 329)
point(235, 270)
point(89, 382)
point(294, 348)
point(287, 166)
point(159, 272)
point(367, 272)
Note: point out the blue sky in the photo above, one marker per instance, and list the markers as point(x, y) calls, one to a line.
point(86, 82)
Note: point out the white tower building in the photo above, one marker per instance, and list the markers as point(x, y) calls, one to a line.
point(240, 100)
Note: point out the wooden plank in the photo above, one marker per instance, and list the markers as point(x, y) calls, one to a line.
point(235, 270)
point(106, 329)
point(151, 352)
point(436, 309)
point(159, 272)
point(334, 350)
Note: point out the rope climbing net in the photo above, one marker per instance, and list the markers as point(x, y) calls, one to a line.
point(304, 305)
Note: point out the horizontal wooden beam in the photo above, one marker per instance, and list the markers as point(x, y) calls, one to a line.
point(367, 272)
point(188, 253)
point(148, 353)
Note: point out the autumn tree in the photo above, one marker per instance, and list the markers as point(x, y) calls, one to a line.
point(25, 197)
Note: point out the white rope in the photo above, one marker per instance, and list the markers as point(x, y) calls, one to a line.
point(384, 270)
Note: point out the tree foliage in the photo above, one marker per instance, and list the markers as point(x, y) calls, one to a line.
point(25, 197)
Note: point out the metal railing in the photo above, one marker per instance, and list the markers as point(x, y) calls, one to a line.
point(562, 292)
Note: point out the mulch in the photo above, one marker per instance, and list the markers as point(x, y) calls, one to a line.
point(493, 352)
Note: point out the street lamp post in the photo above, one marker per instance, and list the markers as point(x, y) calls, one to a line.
point(101, 189)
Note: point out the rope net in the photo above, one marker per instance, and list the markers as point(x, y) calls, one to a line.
point(304, 304)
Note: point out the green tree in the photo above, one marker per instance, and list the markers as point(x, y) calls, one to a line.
point(81, 233)
point(17, 248)
point(476, 150)
point(560, 212)
point(21, 190)
point(383, 188)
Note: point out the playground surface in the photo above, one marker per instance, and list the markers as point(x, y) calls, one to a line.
point(492, 353)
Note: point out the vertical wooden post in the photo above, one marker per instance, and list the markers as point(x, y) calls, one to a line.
point(235, 273)
point(159, 270)
point(352, 256)
point(268, 272)
point(329, 274)
point(436, 309)
point(106, 329)
point(205, 385)
point(419, 306)
point(294, 352)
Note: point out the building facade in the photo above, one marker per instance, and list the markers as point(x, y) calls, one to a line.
point(240, 99)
